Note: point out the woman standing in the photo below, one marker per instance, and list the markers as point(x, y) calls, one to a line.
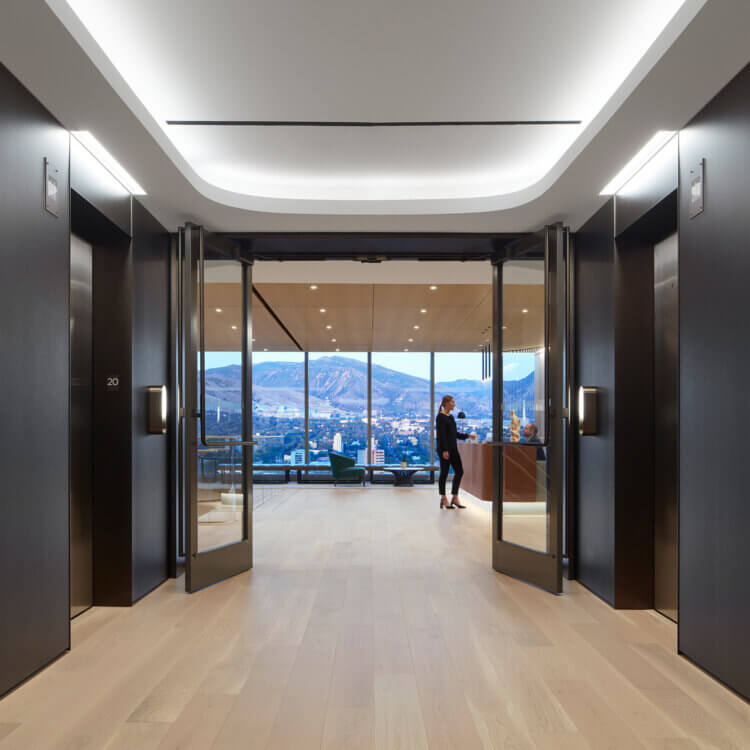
point(447, 448)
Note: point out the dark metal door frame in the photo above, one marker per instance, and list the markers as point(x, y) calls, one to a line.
point(539, 568)
point(210, 566)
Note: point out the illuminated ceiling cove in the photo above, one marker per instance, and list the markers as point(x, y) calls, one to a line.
point(212, 81)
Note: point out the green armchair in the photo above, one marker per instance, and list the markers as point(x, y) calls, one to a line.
point(343, 468)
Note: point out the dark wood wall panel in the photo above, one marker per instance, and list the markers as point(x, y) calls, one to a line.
point(595, 366)
point(634, 409)
point(34, 375)
point(150, 257)
point(714, 407)
point(112, 421)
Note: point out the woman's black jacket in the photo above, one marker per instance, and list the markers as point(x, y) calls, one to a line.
point(447, 433)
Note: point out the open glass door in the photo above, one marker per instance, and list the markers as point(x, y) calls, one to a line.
point(216, 330)
point(528, 410)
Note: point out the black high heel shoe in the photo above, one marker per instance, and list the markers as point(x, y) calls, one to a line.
point(445, 505)
point(456, 504)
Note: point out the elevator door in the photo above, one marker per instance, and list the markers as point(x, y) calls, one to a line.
point(81, 427)
point(666, 404)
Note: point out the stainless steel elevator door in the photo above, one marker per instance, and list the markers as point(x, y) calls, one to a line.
point(666, 405)
point(81, 427)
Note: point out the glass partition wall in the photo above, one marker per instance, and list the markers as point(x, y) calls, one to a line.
point(524, 413)
point(220, 469)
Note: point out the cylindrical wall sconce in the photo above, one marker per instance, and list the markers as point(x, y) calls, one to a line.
point(157, 409)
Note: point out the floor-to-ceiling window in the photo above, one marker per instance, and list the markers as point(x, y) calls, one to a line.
point(401, 413)
point(461, 375)
point(338, 405)
point(279, 407)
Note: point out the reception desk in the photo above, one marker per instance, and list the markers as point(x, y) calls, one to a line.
point(520, 472)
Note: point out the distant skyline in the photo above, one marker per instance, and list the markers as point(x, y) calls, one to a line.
point(448, 365)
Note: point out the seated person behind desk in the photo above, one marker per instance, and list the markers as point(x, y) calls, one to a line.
point(447, 448)
point(531, 435)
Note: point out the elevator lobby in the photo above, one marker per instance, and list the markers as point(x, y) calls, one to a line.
point(373, 375)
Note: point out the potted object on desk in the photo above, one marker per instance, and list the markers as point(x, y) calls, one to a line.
point(403, 461)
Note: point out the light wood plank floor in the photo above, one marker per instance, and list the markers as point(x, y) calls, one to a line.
point(372, 620)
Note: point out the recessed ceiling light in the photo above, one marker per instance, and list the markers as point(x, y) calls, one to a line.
point(411, 341)
point(337, 349)
point(234, 328)
point(524, 310)
point(505, 327)
point(333, 341)
point(416, 328)
point(313, 286)
point(322, 309)
point(406, 350)
point(265, 350)
point(423, 310)
point(218, 309)
point(329, 327)
point(253, 339)
point(655, 144)
point(89, 142)
point(433, 288)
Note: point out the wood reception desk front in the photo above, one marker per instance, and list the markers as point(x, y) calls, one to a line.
point(520, 474)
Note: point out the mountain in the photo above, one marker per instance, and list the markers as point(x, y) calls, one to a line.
point(340, 384)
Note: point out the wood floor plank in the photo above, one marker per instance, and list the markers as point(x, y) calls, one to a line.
point(199, 723)
point(142, 736)
point(6, 729)
point(398, 718)
point(350, 719)
point(372, 620)
point(594, 719)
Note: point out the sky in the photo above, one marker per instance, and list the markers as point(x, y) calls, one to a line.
point(448, 365)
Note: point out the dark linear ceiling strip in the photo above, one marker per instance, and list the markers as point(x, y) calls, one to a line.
point(276, 317)
point(344, 124)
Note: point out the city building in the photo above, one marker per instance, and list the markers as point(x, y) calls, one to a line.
point(373, 374)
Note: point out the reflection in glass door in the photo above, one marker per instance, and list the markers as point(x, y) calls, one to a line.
point(528, 390)
point(217, 421)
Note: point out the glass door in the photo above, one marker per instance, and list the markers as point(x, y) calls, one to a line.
point(216, 335)
point(528, 409)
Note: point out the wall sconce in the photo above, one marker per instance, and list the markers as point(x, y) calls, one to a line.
point(588, 418)
point(157, 409)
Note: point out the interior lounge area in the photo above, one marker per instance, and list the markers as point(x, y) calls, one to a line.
point(373, 375)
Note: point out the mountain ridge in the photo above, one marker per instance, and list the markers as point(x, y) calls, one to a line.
point(339, 384)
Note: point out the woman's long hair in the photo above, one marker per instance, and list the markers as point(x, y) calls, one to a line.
point(445, 400)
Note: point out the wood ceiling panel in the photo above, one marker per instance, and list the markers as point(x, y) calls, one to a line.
point(398, 310)
point(348, 310)
point(219, 334)
point(382, 317)
point(523, 330)
point(375, 317)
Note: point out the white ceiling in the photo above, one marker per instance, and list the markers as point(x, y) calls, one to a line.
point(373, 61)
point(382, 60)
